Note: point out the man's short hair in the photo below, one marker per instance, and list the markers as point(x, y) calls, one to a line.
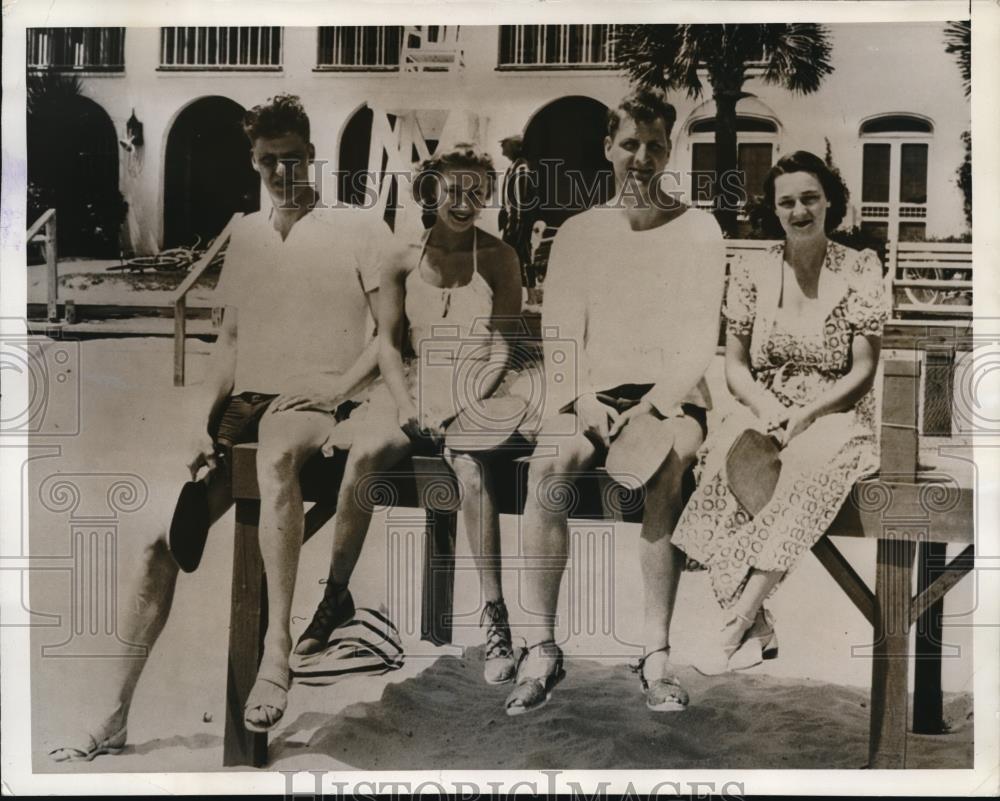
point(280, 115)
point(642, 105)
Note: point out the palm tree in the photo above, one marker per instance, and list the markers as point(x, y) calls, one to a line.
point(958, 42)
point(795, 56)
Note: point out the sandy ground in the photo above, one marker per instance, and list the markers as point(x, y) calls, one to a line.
point(807, 709)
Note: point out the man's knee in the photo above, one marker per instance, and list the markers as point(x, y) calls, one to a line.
point(277, 463)
point(282, 449)
point(552, 481)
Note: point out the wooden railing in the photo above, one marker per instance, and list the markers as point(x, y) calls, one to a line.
point(48, 222)
point(180, 298)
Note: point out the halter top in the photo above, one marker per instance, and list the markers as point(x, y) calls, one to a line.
point(447, 314)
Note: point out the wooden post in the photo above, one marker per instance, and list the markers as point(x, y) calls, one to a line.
point(938, 392)
point(439, 576)
point(248, 619)
point(180, 332)
point(52, 264)
point(890, 657)
point(928, 714)
point(900, 441)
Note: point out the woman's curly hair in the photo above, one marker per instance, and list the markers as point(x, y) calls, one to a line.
point(762, 214)
point(463, 156)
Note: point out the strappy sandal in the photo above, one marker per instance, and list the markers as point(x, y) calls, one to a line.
point(273, 717)
point(500, 666)
point(664, 694)
point(533, 692)
point(330, 614)
point(112, 744)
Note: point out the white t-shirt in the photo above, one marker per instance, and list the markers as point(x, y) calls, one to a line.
point(642, 306)
point(302, 304)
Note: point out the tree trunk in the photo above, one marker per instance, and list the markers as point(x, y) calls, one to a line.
point(729, 185)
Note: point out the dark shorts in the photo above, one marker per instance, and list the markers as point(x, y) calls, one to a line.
point(239, 420)
point(624, 397)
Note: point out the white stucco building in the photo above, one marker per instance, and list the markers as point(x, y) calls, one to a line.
point(893, 111)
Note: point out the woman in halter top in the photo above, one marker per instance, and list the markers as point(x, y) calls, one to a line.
point(451, 296)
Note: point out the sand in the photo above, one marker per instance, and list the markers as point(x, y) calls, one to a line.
point(807, 709)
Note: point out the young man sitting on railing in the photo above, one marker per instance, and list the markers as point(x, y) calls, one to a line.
point(297, 335)
point(637, 286)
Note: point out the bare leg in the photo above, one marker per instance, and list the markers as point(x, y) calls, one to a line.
point(148, 598)
point(287, 440)
point(546, 536)
point(482, 521)
point(482, 525)
point(379, 447)
point(662, 563)
point(546, 531)
point(755, 592)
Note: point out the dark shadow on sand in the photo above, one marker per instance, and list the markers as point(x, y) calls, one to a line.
point(448, 718)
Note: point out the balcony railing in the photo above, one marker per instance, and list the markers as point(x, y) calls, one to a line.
point(359, 47)
point(557, 47)
point(70, 49)
point(228, 48)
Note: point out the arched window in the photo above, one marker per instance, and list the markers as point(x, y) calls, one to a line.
point(895, 158)
point(756, 137)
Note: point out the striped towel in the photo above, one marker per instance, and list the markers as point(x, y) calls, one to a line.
point(367, 643)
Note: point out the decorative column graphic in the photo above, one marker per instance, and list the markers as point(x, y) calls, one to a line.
point(94, 503)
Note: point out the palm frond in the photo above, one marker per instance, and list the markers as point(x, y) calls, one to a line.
point(958, 42)
point(796, 55)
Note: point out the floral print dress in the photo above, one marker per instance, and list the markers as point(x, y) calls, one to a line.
point(796, 360)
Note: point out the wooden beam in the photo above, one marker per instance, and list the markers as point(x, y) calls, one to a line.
point(180, 336)
point(52, 268)
point(891, 655)
point(928, 701)
point(36, 226)
point(248, 617)
point(438, 577)
point(202, 264)
point(850, 582)
point(949, 577)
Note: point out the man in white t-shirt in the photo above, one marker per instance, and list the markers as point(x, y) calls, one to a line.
point(295, 349)
point(637, 286)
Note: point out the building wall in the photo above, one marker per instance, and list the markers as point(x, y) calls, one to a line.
point(879, 69)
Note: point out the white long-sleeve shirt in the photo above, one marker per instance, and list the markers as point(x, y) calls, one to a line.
point(633, 307)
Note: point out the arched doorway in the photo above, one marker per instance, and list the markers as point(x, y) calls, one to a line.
point(355, 143)
point(73, 168)
point(565, 139)
point(209, 175)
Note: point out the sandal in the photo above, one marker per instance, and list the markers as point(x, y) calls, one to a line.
point(499, 667)
point(533, 692)
point(330, 614)
point(264, 698)
point(113, 744)
point(759, 643)
point(664, 694)
point(729, 642)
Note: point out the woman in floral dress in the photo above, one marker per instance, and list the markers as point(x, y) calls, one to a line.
point(804, 323)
